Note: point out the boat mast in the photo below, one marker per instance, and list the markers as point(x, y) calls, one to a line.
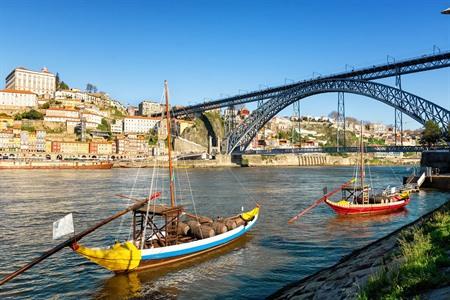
point(361, 150)
point(169, 146)
point(365, 193)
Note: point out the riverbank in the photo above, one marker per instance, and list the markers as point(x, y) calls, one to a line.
point(259, 160)
point(279, 160)
point(412, 261)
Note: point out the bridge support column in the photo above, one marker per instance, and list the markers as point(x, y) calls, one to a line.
point(340, 121)
point(398, 122)
point(298, 118)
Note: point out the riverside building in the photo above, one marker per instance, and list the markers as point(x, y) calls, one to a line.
point(41, 83)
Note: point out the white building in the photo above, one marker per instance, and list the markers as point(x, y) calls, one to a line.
point(76, 94)
point(17, 99)
point(92, 120)
point(42, 83)
point(147, 108)
point(118, 105)
point(117, 127)
point(62, 115)
point(139, 124)
point(6, 140)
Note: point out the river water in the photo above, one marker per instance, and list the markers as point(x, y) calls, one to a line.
point(270, 256)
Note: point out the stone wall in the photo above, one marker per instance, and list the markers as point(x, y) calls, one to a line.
point(185, 146)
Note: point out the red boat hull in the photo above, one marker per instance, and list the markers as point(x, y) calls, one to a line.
point(357, 209)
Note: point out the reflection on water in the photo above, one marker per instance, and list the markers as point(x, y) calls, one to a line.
point(271, 255)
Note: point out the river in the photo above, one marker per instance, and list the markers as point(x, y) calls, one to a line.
point(270, 256)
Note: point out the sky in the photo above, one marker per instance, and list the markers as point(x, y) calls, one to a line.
point(213, 49)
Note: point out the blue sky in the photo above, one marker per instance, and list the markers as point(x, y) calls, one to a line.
point(209, 49)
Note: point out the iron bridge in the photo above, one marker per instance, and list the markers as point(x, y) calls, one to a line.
point(414, 106)
point(408, 66)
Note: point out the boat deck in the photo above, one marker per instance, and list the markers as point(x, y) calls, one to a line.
point(159, 210)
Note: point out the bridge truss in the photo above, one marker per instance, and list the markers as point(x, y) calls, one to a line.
point(414, 106)
point(414, 65)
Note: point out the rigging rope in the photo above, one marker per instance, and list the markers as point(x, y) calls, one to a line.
point(129, 199)
point(148, 207)
point(242, 187)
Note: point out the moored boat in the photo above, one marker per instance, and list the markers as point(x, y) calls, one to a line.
point(163, 234)
point(160, 234)
point(375, 205)
point(359, 197)
point(58, 165)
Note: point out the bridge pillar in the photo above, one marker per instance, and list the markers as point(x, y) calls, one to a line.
point(298, 118)
point(340, 121)
point(398, 122)
point(230, 119)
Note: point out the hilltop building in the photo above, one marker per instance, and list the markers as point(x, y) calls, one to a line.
point(41, 83)
point(132, 110)
point(10, 99)
point(147, 108)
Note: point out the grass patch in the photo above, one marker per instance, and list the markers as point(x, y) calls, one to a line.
point(423, 252)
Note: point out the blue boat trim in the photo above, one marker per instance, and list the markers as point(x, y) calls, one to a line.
point(198, 248)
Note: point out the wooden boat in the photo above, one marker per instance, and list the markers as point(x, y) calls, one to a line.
point(352, 205)
point(358, 197)
point(161, 233)
point(53, 165)
point(163, 247)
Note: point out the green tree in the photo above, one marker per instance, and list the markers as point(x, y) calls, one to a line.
point(431, 133)
point(63, 86)
point(104, 126)
point(448, 133)
point(152, 137)
point(284, 135)
point(30, 115)
point(90, 88)
point(57, 81)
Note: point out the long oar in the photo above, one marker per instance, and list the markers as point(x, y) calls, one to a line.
point(77, 238)
point(317, 202)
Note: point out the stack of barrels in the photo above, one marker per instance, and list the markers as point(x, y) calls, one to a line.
point(204, 227)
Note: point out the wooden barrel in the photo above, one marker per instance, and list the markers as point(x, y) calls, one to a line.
point(230, 224)
point(239, 222)
point(201, 219)
point(202, 232)
point(183, 228)
point(219, 227)
point(193, 224)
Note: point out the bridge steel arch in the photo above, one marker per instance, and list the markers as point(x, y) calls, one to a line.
point(414, 106)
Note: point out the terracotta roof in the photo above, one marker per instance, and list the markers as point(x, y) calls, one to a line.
point(16, 92)
point(58, 116)
point(57, 108)
point(140, 117)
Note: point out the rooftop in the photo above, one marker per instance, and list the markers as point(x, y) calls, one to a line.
point(17, 92)
point(141, 117)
